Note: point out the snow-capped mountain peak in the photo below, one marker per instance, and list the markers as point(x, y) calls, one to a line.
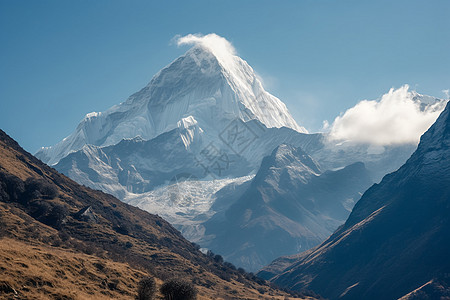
point(209, 86)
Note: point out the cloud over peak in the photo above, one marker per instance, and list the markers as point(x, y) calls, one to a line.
point(212, 41)
point(400, 117)
point(219, 46)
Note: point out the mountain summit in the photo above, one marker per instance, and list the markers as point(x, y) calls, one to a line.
point(201, 86)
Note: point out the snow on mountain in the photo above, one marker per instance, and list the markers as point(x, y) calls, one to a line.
point(199, 85)
point(187, 202)
point(139, 166)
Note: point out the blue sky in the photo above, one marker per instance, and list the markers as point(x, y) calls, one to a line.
point(62, 59)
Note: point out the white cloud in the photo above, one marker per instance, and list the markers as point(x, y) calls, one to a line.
point(446, 93)
point(219, 46)
point(223, 50)
point(399, 117)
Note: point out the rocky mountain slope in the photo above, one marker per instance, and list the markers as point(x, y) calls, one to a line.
point(396, 241)
point(65, 241)
point(289, 206)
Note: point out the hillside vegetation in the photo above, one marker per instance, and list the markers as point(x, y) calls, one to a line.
point(61, 240)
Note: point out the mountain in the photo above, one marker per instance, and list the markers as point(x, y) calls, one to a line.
point(189, 143)
point(396, 241)
point(290, 205)
point(199, 86)
point(60, 240)
point(138, 166)
point(379, 160)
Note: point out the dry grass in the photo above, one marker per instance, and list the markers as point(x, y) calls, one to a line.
point(44, 272)
point(103, 259)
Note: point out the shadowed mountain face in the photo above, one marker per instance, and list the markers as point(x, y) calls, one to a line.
point(73, 242)
point(288, 207)
point(397, 238)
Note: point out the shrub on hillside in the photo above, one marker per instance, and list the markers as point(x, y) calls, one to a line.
point(57, 216)
point(218, 258)
point(49, 213)
point(11, 187)
point(39, 188)
point(176, 289)
point(146, 289)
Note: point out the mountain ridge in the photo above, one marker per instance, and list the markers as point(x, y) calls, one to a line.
point(397, 237)
point(194, 85)
point(290, 202)
point(53, 230)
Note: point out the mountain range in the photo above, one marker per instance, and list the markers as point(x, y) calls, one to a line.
point(196, 146)
point(289, 206)
point(396, 241)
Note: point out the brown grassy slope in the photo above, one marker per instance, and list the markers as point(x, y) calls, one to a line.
point(68, 257)
point(42, 272)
